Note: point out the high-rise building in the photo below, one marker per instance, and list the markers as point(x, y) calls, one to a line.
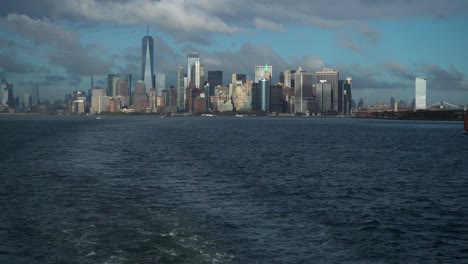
point(191, 59)
point(332, 77)
point(263, 72)
point(287, 77)
point(35, 94)
point(420, 93)
point(140, 99)
point(276, 98)
point(181, 90)
point(160, 83)
point(147, 60)
point(323, 91)
point(264, 94)
point(215, 78)
point(99, 100)
point(347, 97)
point(303, 91)
point(195, 75)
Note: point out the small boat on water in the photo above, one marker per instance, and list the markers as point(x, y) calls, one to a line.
point(98, 117)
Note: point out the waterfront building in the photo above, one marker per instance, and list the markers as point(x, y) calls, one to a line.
point(264, 94)
point(160, 83)
point(222, 99)
point(287, 77)
point(140, 99)
point(147, 61)
point(35, 100)
point(240, 94)
point(263, 72)
point(181, 90)
point(191, 59)
point(97, 95)
point(420, 93)
point(323, 91)
point(303, 91)
point(195, 75)
point(215, 78)
point(276, 98)
point(347, 96)
point(331, 76)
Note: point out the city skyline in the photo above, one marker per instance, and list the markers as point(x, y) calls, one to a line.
point(383, 46)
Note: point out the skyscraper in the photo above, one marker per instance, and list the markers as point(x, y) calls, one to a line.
point(181, 89)
point(160, 83)
point(215, 78)
point(191, 59)
point(264, 94)
point(332, 77)
point(303, 90)
point(420, 93)
point(147, 60)
point(263, 72)
point(323, 92)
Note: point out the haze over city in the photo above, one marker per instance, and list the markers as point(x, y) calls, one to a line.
point(383, 45)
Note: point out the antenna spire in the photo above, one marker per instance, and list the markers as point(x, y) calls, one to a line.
point(147, 30)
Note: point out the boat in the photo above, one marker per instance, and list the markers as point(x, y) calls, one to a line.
point(207, 115)
point(98, 117)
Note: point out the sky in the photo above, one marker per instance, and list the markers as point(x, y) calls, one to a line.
point(382, 44)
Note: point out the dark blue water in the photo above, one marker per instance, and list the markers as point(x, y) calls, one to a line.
point(232, 190)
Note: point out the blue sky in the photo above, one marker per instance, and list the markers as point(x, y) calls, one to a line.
point(383, 45)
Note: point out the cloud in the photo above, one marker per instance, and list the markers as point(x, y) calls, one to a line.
point(399, 70)
point(441, 79)
point(345, 41)
point(261, 23)
point(41, 32)
point(63, 47)
point(11, 63)
point(169, 16)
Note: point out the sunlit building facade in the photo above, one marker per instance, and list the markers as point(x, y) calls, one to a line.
point(420, 93)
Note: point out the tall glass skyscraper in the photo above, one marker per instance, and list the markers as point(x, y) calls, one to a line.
point(420, 93)
point(181, 88)
point(191, 59)
point(332, 77)
point(147, 61)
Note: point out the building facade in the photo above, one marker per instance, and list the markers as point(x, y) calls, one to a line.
point(215, 78)
point(303, 91)
point(332, 77)
point(191, 59)
point(147, 61)
point(263, 72)
point(420, 93)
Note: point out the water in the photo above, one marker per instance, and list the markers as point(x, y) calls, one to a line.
point(232, 190)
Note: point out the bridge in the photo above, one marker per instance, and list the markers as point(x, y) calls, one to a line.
point(442, 105)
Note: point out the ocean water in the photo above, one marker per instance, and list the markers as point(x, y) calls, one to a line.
point(232, 190)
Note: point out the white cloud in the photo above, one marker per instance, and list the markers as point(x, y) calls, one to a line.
point(269, 25)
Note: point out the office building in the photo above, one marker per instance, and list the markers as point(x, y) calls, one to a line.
point(347, 96)
point(215, 78)
point(147, 61)
point(287, 77)
point(323, 91)
point(420, 93)
point(331, 76)
point(140, 99)
point(191, 59)
point(160, 83)
point(264, 94)
point(181, 90)
point(303, 91)
point(263, 72)
point(99, 102)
